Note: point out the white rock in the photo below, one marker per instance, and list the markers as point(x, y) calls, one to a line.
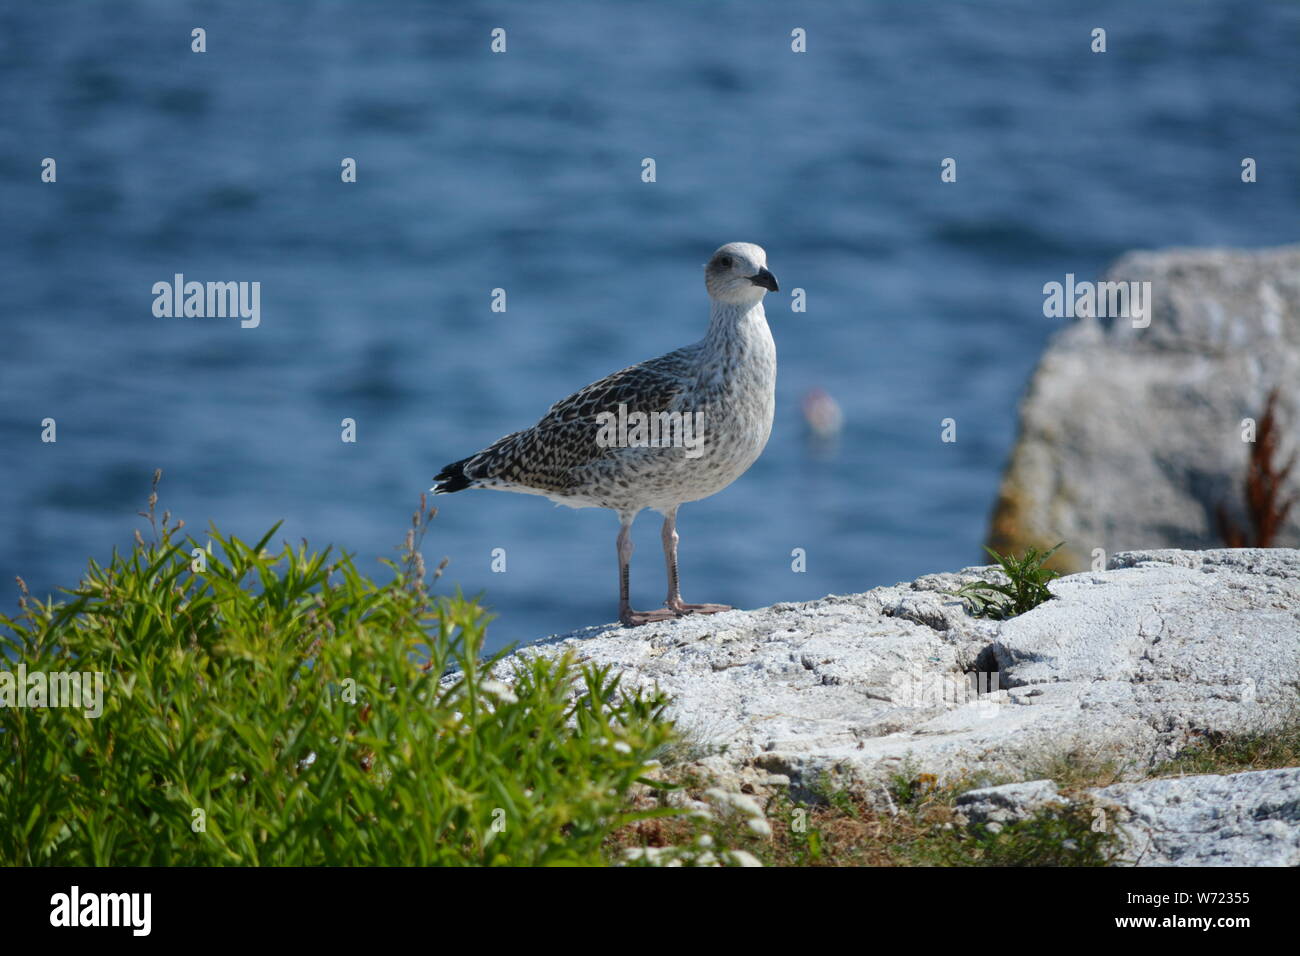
point(1241, 819)
point(1009, 803)
point(1132, 437)
point(1124, 664)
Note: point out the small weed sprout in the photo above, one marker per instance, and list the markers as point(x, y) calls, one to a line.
point(1025, 589)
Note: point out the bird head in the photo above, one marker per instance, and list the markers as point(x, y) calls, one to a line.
point(737, 274)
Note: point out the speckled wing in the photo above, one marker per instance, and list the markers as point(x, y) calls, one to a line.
point(547, 456)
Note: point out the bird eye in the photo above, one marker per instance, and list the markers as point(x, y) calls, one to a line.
point(724, 261)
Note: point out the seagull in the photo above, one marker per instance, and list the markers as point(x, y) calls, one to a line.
point(673, 429)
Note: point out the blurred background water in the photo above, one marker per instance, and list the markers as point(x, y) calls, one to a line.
point(522, 171)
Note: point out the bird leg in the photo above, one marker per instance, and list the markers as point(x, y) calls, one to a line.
point(629, 617)
point(675, 602)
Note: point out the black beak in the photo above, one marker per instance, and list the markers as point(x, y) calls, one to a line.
point(766, 280)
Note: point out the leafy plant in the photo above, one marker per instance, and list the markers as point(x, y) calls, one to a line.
point(1024, 590)
point(279, 707)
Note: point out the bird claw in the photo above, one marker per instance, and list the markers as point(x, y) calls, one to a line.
point(631, 618)
point(682, 608)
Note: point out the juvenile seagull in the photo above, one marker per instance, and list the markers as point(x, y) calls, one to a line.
point(721, 389)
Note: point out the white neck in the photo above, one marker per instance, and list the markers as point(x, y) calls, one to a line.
point(730, 320)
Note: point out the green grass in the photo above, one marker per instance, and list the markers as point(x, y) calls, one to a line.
point(1063, 837)
point(279, 707)
point(913, 823)
point(1024, 590)
point(1082, 767)
point(1223, 753)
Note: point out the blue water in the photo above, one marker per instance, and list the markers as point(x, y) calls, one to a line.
point(522, 171)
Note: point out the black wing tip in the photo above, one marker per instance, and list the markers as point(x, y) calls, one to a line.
point(451, 478)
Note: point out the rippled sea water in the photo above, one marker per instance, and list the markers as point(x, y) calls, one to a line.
point(522, 171)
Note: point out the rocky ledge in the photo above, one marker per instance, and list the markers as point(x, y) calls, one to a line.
point(1125, 667)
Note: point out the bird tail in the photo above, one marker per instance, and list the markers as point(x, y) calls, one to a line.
point(452, 478)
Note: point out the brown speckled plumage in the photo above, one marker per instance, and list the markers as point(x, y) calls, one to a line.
point(555, 456)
